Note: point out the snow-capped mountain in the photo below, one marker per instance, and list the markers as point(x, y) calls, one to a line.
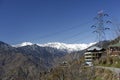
point(61, 46)
point(70, 47)
point(23, 44)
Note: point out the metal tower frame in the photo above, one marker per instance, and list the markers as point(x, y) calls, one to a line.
point(99, 27)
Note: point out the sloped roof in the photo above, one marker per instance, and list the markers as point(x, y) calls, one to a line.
point(115, 45)
point(93, 48)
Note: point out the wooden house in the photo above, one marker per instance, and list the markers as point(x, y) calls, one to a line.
point(114, 50)
point(93, 53)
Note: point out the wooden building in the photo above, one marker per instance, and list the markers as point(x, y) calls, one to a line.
point(93, 53)
point(114, 50)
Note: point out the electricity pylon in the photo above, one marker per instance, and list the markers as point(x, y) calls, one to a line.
point(99, 27)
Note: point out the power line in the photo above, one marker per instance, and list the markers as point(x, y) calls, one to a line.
point(75, 35)
point(83, 38)
point(62, 31)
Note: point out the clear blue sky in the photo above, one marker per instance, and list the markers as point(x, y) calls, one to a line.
point(41, 21)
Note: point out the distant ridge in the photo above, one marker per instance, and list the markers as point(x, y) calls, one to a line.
point(58, 45)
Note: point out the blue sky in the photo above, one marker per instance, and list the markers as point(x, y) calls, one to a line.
point(42, 21)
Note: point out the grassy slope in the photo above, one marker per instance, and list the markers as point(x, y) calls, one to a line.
point(77, 71)
point(109, 61)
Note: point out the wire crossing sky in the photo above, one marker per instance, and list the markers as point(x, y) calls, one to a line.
point(42, 21)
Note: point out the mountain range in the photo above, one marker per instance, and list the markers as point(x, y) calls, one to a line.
point(60, 46)
point(28, 61)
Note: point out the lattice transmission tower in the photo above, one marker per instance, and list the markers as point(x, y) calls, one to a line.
point(99, 26)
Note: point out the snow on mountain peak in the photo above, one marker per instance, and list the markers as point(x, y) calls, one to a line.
point(23, 44)
point(69, 47)
point(58, 45)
